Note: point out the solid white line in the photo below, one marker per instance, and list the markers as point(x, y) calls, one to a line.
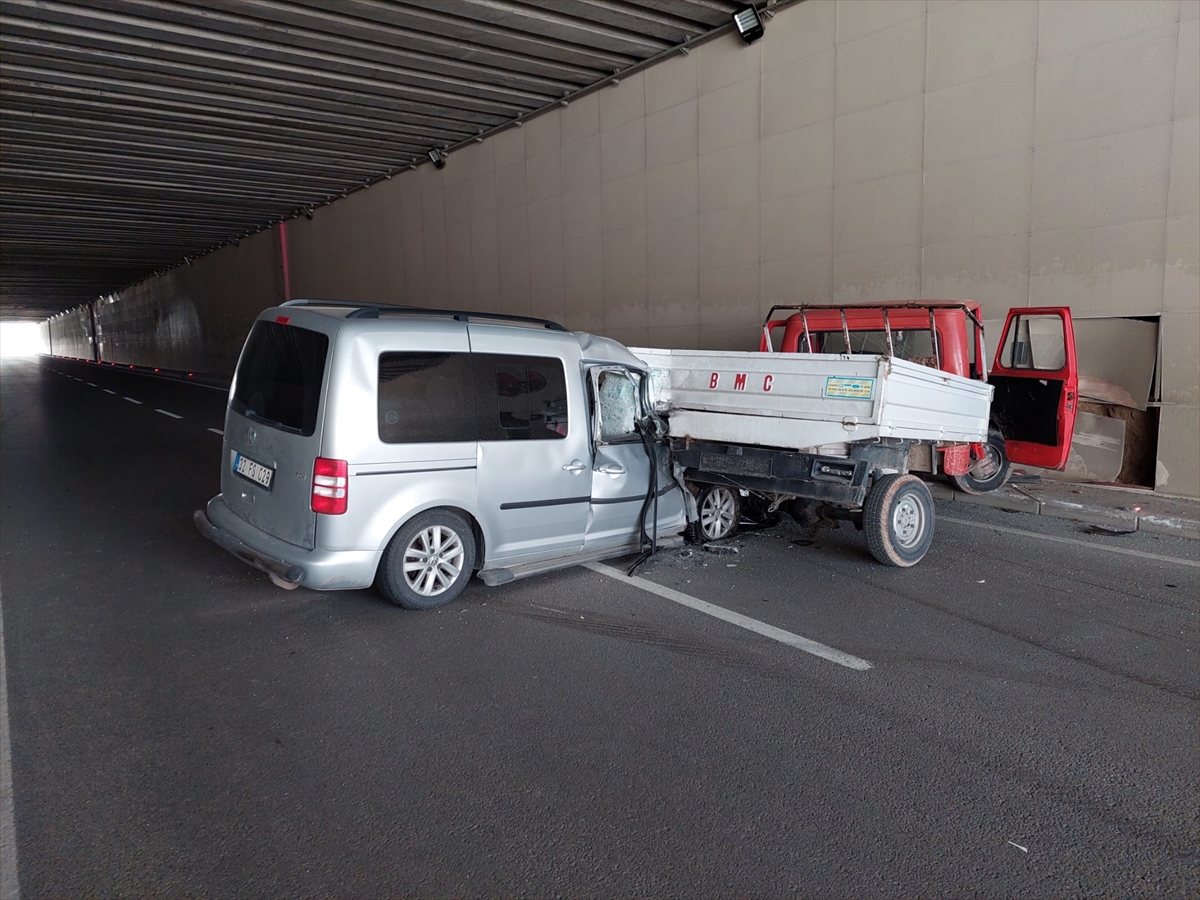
point(10, 888)
point(131, 400)
point(107, 391)
point(217, 431)
point(719, 612)
point(166, 413)
point(1075, 542)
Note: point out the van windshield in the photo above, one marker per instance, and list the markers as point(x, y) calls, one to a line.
point(279, 376)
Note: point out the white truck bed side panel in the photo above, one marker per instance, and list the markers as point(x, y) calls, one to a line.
point(803, 400)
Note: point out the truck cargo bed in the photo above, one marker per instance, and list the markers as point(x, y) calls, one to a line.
point(802, 401)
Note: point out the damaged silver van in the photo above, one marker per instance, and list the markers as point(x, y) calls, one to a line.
point(408, 448)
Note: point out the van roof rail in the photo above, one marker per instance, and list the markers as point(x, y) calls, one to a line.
point(374, 310)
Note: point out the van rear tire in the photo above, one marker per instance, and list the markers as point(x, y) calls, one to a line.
point(428, 562)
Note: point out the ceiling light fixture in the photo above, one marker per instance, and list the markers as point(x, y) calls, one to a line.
point(748, 23)
point(437, 158)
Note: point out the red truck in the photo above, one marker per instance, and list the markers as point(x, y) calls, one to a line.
point(1034, 373)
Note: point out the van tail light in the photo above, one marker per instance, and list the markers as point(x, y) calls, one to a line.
point(330, 483)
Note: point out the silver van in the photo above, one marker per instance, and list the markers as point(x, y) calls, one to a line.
point(408, 448)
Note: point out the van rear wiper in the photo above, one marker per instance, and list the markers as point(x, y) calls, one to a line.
point(252, 414)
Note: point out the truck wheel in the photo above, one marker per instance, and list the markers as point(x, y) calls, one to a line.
point(989, 473)
point(898, 520)
point(428, 562)
point(720, 508)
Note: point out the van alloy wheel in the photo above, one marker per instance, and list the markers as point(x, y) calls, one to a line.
point(720, 509)
point(429, 560)
point(433, 560)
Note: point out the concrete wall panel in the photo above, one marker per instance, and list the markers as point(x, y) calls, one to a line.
point(881, 67)
point(1007, 128)
point(1178, 467)
point(973, 40)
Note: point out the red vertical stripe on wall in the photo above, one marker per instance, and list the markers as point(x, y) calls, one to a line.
point(283, 257)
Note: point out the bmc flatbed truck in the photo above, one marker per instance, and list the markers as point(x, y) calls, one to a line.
point(837, 432)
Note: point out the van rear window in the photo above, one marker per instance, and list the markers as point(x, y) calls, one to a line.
point(280, 375)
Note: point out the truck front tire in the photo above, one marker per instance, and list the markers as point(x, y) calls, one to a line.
point(898, 520)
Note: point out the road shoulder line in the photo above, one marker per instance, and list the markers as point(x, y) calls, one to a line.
point(1125, 551)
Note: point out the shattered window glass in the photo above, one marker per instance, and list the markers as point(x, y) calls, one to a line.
point(617, 400)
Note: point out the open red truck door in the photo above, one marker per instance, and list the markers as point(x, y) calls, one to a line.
point(1037, 386)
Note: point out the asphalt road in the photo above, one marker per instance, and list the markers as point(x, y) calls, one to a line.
point(179, 727)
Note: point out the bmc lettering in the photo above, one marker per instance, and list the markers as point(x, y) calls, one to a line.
point(739, 381)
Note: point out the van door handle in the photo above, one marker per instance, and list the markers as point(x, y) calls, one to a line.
point(574, 467)
point(612, 469)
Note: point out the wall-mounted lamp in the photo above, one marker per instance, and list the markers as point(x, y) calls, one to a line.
point(437, 158)
point(748, 24)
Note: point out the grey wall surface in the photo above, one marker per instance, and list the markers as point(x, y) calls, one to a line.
point(1016, 152)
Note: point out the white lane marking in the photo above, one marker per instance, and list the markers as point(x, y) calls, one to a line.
point(217, 431)
point(733, 618)
point(10, 889)
point(1075, 542)
point(91, 384)
point(107, 391)
point(167, 413)
point(131, 400)
point(78, 379)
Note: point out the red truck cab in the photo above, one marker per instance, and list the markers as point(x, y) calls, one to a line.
point(1034, 373)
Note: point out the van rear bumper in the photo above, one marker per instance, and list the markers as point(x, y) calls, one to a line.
point(320, 570)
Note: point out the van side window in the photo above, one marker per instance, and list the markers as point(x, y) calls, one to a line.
point(520, 398)
point(426, 398)
point(618, 406)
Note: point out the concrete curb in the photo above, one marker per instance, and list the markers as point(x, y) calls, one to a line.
point(1013, 499)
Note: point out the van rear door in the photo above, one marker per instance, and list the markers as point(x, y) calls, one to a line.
point(272, 434)
point(1037, 385)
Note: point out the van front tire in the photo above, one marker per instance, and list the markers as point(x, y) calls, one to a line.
point(428, 562)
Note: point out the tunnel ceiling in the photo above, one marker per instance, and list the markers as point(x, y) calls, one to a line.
point(135, 133)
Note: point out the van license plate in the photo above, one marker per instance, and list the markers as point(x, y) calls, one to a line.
point(256, 472)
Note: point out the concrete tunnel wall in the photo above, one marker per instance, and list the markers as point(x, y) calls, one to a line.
point(1017, 152)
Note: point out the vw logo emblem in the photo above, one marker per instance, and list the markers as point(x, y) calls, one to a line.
point(251, 434)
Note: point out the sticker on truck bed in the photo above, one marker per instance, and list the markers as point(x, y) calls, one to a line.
point(850, 388)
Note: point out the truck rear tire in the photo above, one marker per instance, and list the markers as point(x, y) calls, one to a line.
point(720, 508)
point(898, 519)
point(989, 473)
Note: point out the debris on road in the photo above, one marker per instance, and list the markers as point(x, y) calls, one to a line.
point(721, 548)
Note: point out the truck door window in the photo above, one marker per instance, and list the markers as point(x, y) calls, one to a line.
point(617, 405)
point(520, 398)
point(1034, 342)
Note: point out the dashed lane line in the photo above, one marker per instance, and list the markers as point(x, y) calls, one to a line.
point(107, 391)
point(1125, 551)
point(91, 384)
point(217, 431)
point(794, 641)
point(168, 413)
point(131, 400)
